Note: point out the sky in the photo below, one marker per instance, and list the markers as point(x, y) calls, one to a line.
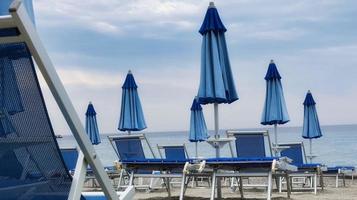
point(93, 43)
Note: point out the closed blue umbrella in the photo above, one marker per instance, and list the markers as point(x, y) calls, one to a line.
point(216, 81)
point(91, 125)
point(198, 128)
point(131, 115)
point(274, 111)
point(311, 127)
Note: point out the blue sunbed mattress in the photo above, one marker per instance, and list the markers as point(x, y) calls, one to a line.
point(308, 166)
point(240, 163)
point(332, 170)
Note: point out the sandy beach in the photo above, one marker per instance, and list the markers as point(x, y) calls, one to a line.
point(329, 193)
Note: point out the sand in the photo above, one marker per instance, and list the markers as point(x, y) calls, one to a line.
point(329, 193)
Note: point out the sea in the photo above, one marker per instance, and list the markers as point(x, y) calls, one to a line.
point(337, 146)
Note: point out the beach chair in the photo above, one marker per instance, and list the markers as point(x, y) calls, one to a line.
point(130, 147)
point(70, 157)
point(254, 164)
point(249, 144)
point(173, 152)
point(131, 154)
point(340, 173)
point(311, 171)
point(27, 143)
point(253, 144)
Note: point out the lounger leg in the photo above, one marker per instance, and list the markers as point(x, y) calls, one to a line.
point(280, 183)
point(167, 183)
point(315, 183)
point(213, 189)
point(322, 181)
point(121, 176)
point(336, 181)
point(288, 184)
point(182, 186)
point(311, 182)
point(131, 179)
point(344, 180)
point(269, 185)
point(186, 185)
point(241, 187)
point(352, 176)
point(219, 187)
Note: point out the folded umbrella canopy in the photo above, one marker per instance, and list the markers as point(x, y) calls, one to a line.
point(216, 81)
point(131, 115)
point(91, 125)
point(198, 128)
point(311, 127)
point(274, 111)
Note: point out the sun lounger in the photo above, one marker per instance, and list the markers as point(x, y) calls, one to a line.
point(340, 171)
point(252, 161)
point(70, 156)
point(256, 145)
point(173, 152)
point(30, 137)
point(131, 154)
point(241, 167)
point(312, 171)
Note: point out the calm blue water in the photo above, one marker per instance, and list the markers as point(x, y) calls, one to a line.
point(338, 146)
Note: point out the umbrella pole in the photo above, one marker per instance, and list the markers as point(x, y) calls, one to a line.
point(129, 132)
point(216, 136)
point(310, 150)
point(196, 150)
point(276, 135)
point(216, 121)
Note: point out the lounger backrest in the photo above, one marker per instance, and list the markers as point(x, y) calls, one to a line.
point(27, 140)
point(294, 152)
point(174, 152)
point(70, 156)
point(250, 145)
point(129, 148)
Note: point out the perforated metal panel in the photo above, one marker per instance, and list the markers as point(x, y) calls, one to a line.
point(31, 164)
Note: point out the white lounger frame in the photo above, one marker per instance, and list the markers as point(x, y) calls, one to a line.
point(241, 175)
point(295, 177)
point(123, 172)
point(20, 19)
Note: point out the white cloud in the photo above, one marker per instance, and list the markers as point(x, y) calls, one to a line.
point(172, 17)
point(112, 16)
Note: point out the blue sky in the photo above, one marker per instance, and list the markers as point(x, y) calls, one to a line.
point(94, 43)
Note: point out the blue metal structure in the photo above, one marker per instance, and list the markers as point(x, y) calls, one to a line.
point(131, 115)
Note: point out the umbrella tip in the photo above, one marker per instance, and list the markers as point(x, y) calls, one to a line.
point(308, 91)
point(129, 72)
point(90, 102)
point(211, 5)
point(271, 61)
